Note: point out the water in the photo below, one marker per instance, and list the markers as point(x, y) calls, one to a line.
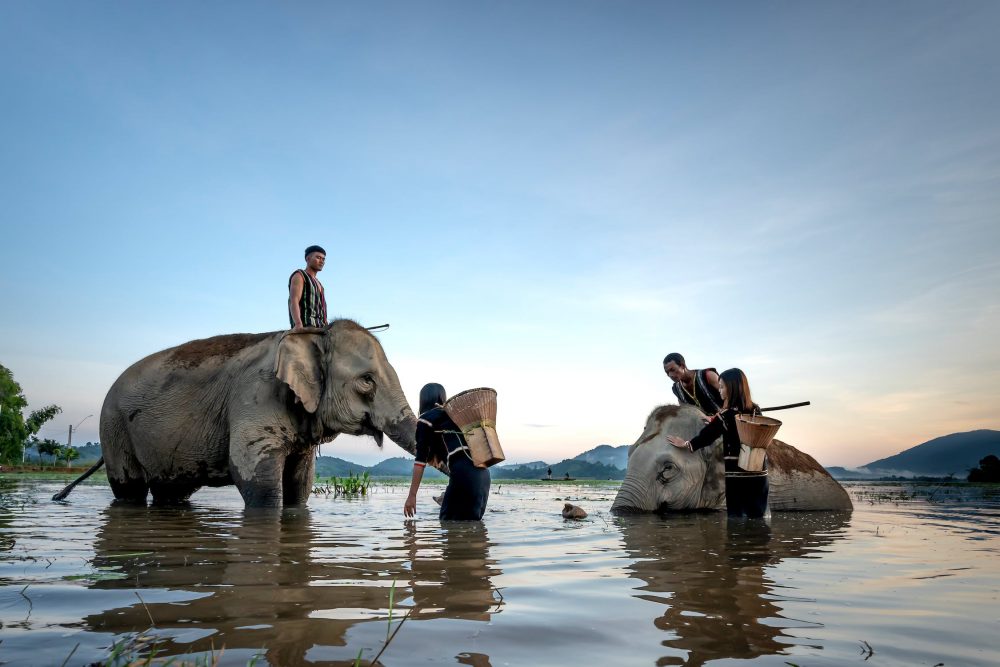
point(901, 581)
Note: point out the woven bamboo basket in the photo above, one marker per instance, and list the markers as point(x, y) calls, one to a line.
point(474, 411)
point(756, 433)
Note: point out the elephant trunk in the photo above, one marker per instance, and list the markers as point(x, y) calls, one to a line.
point(633, 496)
point(404, 433)
point(401, 427)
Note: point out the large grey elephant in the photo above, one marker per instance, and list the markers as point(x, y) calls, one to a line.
point(249, 410)
point(662, 477)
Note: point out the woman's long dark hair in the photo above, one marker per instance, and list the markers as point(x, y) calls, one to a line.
point(737, 390)
point(431, 396)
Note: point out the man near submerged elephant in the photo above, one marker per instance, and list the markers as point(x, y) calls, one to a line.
point(306, 297)
point(693, 387)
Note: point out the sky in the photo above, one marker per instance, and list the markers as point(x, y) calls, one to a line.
point(541, 197)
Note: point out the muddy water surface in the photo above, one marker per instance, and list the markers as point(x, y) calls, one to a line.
point(901, 581)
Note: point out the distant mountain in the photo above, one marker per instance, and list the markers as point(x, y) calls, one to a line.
point(532, 465)
point(400, 467)
point(607, 455)
point(838, 472)
point(331, 466)
point(950, 454)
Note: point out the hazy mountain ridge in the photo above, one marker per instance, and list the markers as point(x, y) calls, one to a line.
point(955, 454)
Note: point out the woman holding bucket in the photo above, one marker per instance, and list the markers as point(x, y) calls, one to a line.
point(746, 490)
point(440, 440)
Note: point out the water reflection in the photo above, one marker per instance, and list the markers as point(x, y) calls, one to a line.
point(712, 578)
point(450, 572)
point(278, 579)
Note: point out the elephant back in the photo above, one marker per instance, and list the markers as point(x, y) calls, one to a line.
point(799, 483)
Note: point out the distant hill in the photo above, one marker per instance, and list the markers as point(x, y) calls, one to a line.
point(950, 454)
point(400, 467)
point(607, 455)
point(532, 464)
point(837, 472)
point(331, 466)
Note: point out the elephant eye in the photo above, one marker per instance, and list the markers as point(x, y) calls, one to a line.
point(366, 386)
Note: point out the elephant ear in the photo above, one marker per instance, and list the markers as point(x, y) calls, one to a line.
point(299, 365)
point(713, 491)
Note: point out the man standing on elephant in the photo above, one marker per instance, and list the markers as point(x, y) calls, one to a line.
point(306, 298)
point(693, 387)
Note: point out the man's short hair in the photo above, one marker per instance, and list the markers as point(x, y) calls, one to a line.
point(314, 248)
point(676, 358)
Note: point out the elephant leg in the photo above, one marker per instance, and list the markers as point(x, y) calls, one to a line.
point(173, 492)
point(257, 465)
point(125, 474)
point(299, 474)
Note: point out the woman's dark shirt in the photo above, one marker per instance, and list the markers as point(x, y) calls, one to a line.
point(723, 424)
point(437, 436)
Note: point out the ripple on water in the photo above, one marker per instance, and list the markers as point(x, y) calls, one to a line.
point(917, 580)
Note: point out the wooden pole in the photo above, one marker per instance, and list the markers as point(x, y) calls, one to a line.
point(785, 407)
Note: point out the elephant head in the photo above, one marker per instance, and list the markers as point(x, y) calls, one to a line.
point(341, 375)
point(662, 477)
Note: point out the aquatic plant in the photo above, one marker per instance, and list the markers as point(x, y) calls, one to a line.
point(388, 637)
point(143, 649)
point(352, 485)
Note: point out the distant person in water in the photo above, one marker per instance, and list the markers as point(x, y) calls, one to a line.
point(306, 298)
point(693, 387)
point(746, 491)
point(440, 440)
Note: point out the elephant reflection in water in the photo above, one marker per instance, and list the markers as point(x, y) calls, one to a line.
point(268, 579)
point(711, 576)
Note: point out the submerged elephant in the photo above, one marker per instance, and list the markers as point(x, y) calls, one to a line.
point(662, 477)
point(249, 410)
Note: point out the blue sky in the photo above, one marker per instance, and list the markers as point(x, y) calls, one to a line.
point(545, 198)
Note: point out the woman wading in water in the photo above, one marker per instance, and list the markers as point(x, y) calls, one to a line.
point(746, 491)
point(439, 439)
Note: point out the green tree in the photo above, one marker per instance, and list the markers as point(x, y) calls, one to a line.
point(69, 454)
point(14, 428)
point(988, 470)
point(48, 447)
point(13, 431)
point(37, 419)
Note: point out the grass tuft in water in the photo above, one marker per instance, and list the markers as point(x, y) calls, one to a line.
point(142, 650)
point(352, 485)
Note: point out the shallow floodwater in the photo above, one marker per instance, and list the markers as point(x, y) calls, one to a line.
point(900, 581)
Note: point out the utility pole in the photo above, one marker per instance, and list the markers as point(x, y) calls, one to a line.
point(69, 441)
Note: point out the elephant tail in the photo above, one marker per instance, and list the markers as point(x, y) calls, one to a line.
point(65, 492)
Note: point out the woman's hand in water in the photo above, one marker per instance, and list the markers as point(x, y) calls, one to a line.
point(679, 442)
point(410, 507)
